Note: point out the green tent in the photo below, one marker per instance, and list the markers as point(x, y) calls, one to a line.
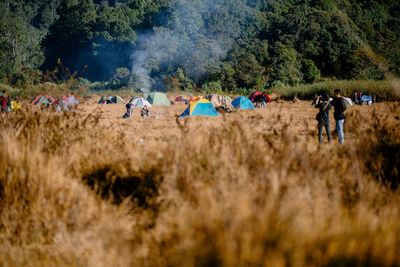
point(117, 100)
point(158, 99)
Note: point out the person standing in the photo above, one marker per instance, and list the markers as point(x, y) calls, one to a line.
point(324, 106)
point(340, 107)
point(4, 101)
point(263, 102)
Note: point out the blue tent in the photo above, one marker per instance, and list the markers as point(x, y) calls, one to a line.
point(242, 103)
point(203, 107)
point(366, 99)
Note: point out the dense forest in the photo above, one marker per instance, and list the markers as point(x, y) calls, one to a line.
point(213, 45)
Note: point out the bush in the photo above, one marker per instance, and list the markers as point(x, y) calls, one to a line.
point(241, 91)
point(213, 87)
point(310, 72)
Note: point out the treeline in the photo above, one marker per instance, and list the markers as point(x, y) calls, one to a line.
point(214, 45)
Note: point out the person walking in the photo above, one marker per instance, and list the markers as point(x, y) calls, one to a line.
point(4, 101)
point(324, 106)
point(340, 107)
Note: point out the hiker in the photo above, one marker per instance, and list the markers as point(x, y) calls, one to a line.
point(263, 100)
point(4, 101)
point(373, 98)
point(145, 112)
point(340, 107)
point(323, 116)
point(129, 111)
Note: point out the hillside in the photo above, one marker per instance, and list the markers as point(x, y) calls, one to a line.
point(176, 44)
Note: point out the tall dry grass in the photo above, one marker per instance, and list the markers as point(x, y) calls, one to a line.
point(244, 189)
point(386, 90)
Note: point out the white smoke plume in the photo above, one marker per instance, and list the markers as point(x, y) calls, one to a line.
point(185, 41)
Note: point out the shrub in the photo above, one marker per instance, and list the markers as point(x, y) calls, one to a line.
point(213, 87)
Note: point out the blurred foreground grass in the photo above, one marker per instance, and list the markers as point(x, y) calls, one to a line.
point(222, 192)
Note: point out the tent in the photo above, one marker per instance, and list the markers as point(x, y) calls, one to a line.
point(229, 98)
point(220, 102)
point(42, 99)
point(70, 99)
point(180, 99)
point(202, 107)
point(133, 98)
point(347, 101)
point(194, 99)
point(254, 97)
point(140, 102)
point(158, 99)
point(242, 103)
point(111, 100)
point(366, 99)
point(62, 105)
point(117, 100)
point(104, 100)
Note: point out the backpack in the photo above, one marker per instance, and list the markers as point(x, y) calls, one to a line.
point(319, 115)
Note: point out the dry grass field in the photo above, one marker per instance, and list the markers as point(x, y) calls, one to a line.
point(251, 188)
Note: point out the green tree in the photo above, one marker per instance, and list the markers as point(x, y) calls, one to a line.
point(18, 45)
point(310, 72)
point(285, 65)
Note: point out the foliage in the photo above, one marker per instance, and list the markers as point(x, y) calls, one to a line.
point(247, 44)
point(212, 87)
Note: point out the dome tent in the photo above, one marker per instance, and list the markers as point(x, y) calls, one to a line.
point(158, 99)
point(111, 100)
point(242, 102)
point(347, 101)
point(203, 107)
point(70, 99)
point(117, 100)
point(256, 96)
point(140, 102)
point(42, 99)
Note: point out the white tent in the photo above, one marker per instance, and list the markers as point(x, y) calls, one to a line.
point(140, 102)
point(347, 101)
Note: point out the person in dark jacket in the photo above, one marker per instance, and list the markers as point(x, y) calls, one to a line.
point(340, 107)
point(145, 112)
point(4, 101)
point(324, 106)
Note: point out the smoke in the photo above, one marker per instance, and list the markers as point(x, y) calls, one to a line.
point(193, 36)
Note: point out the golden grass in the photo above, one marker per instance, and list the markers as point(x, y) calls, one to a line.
point(246, 189)
point(386, 90)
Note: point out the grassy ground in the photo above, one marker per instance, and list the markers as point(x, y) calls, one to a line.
point(251, 188)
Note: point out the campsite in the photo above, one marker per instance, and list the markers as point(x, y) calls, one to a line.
point(156, 191)
point(199, 133)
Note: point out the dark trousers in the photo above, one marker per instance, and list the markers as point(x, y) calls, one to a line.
point(321, 125)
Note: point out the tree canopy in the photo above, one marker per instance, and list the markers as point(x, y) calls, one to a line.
point(235, 44)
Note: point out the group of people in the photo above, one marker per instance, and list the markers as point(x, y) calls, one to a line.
point(144, 113)
point(324, 104)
